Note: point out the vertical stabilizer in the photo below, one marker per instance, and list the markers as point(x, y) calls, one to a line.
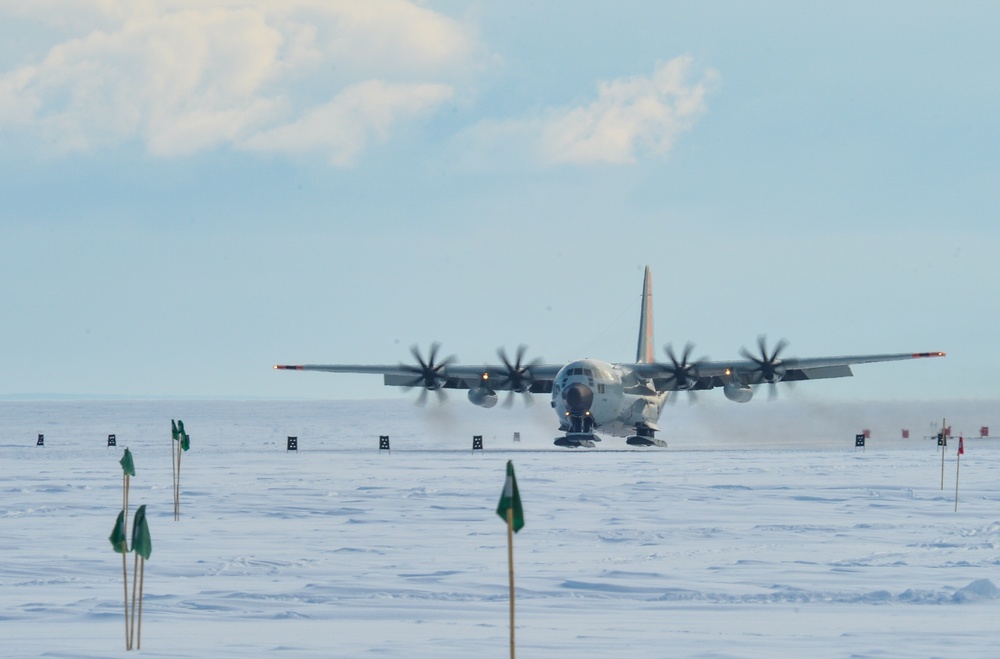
point(644, 352)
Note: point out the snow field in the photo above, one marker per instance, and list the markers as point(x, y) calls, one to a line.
point(338, 550)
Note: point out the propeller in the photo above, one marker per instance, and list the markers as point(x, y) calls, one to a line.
point(769, 366)
point(429, 375)
point(517, 375)
point(684, 373)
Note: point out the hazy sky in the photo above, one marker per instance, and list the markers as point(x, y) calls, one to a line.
point(194, 191)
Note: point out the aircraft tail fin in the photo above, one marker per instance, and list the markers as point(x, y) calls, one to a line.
point(644, 351)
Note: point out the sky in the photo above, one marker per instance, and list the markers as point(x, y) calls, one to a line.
point(192, 192)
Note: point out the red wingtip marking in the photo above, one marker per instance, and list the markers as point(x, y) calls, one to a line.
point(917, 355)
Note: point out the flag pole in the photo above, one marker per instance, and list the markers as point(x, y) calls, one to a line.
point(177, 488)
point(128, 641)
point(510, 572)
point(135, 577)
point(119, 542)
point(510, 511)
point(142, 545)
point(944, 445)
point(958, 465)
point(173, 461)
point(125, 492)
point(142, 578)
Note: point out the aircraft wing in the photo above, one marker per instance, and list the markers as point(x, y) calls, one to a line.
point(673, 376)
point(536, 378)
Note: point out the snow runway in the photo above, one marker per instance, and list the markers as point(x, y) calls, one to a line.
point(338, 550)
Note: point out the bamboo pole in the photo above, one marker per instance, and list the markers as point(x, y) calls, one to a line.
point(125, 484)
point(125, 586)
point(510, 571)
point(142, 578)
point(125, 492)
point(173, 470)
point(177, 487)
point(944, 445)
point(958, 464)
point(135, 576)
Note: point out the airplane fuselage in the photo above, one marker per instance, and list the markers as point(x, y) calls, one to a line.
point(590, 395)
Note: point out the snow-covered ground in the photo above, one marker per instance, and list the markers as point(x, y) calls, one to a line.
point(760, 532)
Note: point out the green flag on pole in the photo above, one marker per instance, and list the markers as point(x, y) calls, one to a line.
point(186, 442)
point(141, 542)
point(180, 429)
point(510, 499)
point(127, 465)
point(117, 536)
point(173, 430)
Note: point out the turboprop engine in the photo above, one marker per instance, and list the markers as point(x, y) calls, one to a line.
point(482, 396)
point(738, 392)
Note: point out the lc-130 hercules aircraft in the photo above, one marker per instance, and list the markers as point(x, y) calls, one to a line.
point(624, 400)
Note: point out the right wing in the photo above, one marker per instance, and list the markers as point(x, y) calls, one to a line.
point(710, 374)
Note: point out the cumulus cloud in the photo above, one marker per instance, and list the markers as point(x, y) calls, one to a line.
point(344, 126)
point(185, 75)
point(631, 116)
point(327, 77)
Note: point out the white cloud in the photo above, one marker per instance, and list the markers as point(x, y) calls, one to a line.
point(634, 115)
point(344, 126)
point(186, 75)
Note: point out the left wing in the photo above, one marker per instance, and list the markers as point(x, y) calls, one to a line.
point(454, 376)
point(536, 377)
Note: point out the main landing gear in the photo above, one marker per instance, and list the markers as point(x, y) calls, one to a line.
point(576, 440)
point(644, 437)
point(580, 432)
point(582, 435)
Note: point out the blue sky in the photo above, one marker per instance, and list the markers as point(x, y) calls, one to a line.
point(192, 192)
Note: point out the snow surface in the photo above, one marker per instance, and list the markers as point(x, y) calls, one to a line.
point(737, 541)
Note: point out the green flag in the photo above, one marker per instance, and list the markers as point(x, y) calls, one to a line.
point(117, 536)
point(127, 465)
point(511, 499)
point(141, 543)
point(173, 430)
point(180, 429)
point(186, 442)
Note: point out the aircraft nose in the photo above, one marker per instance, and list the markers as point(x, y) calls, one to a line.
point(579, 397)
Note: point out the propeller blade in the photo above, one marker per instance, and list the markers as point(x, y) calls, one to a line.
point(416, 355)
point(769, 367)
point(517, 376)
point(428, 374)
point(683, 373)
point(781, 345)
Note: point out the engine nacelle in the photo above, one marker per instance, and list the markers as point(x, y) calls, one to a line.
point(482, 396)
point(737, 392)
point(775, 376)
